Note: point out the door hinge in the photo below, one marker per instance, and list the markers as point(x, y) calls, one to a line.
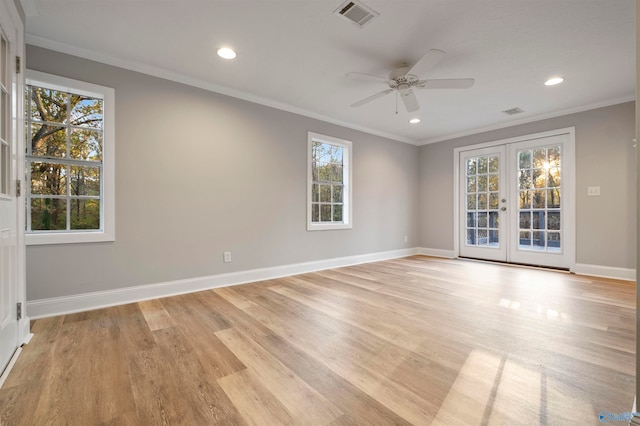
point(18, 64)
point(19, 310)
point(18, 188)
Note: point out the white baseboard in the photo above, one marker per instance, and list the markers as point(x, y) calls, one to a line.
point(605, 272)
point(87, 301)
point(449, 254)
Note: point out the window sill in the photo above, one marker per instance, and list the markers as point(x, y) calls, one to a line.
point(328, 226)
point(38, 239)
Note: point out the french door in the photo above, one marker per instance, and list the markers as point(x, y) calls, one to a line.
point(10, 231)
point(516, 201)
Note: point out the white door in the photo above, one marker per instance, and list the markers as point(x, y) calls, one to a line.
point(483, 228)
point(541, 202)
point(516, 201)
point(9, 249)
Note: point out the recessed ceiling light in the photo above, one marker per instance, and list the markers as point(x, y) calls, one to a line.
point(414, 121)
point(226, 53)
point(553, 81)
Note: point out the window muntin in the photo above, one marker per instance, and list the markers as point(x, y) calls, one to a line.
point(329, 183)
point(69, 160)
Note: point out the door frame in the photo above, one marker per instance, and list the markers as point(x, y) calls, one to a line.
point(569, 210)
point(11, 17)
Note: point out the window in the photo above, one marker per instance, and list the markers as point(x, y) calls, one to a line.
point(69, 187)
point(329, 183)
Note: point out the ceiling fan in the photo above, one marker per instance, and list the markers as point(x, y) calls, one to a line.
point(404, 79)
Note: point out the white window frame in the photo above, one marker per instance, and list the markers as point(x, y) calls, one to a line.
point(107, 202)
point(347, 209)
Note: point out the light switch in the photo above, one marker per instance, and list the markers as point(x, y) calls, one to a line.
point(593, 190)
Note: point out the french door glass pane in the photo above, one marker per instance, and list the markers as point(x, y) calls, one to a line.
point(483, 201)
point(540, 193)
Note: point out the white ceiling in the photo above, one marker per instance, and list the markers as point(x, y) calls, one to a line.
point(294, 54)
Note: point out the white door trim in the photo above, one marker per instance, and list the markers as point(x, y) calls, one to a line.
point(570, 218)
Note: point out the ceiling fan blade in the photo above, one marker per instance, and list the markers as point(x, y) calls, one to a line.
point(409, 100)
point(365, 77)
point(371, 98)
point(428, 61)
point(446, 83)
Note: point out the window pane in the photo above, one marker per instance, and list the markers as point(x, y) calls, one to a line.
point(337, 193)
point(471, 237)
point(524, 160)
point(471, 202)
point(538, 220)
point(483, 237)
point(85, 180)
point(494, 201)
point(525, 200)
point(524, 179)
point(553, 240)
point(321, 152)
point(336, 173)
point(493, 164)
point(85, 214)
point(86, 144)
point(471, 184)
point(336, 153)
point(538, 241)
point(525, 220)
point(539, 158)
point(482, 183)
point(482, 165)
point(86, 111)
point(482, 220)
point(553, 156)
point(494, 184)
point(337, 213)
point(525, 239)
point(553, 198)
point(482, 201)
point(324, 172)
point(471, 166)
point(325, 212)
point(539, 178)
point(494, 237)
point(494, 220)
point(48, 105)
point(553, 178)
point(325, 193)
point(471, 220)
point(48, 214)
point(315, 193)
point(315, 212)
point(48, 179)
point(553, 221)
point(48, 141)
point(539, 199)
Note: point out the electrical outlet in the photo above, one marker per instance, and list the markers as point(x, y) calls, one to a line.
point(227, 256)
point(593, 190)
point(406, 239)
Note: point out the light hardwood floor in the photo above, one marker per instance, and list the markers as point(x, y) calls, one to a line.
point(409, 341)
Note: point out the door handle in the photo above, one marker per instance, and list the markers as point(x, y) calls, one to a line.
point(503, 209)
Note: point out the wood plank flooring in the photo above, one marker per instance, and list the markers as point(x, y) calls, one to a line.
point(416, 340)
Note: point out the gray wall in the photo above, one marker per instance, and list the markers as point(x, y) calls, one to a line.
point(198, 173)
point(605, 157)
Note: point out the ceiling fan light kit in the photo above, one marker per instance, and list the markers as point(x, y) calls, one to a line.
point(404, 79)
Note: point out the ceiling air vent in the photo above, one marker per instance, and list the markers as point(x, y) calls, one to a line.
point(356, 12)
point(513, 111)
